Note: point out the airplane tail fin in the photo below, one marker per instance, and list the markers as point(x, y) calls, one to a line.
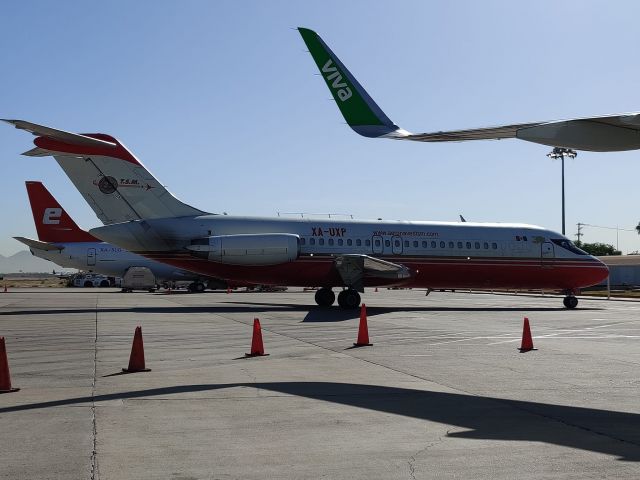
point(111, 179)
point(53, 224)
point(360, 111)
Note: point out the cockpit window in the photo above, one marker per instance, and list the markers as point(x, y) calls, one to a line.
point(568, 245)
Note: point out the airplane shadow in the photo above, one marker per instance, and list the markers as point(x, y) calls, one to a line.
point(315, 313)
point(483, 418)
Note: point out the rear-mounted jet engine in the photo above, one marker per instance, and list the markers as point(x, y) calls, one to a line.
point(249, 249)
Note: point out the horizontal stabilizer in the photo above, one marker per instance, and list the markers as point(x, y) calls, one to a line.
point(60, 135)
point(38, 245)
point(38, 152)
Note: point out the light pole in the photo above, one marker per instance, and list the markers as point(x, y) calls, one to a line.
point(559, 152)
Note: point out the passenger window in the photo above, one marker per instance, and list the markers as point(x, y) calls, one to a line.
point(524, 238)
point(477, 245)
point(367, 243)
point(415, 244)
point(406, 243)
point(340, 242)
point(331, 241)
point(349, 242)
point(459, 244)
point(433, 244)
point(387, 243)
point(321, 241)
point(424, 244)
point(397, 243)
point(486, 246)
point(303, 241)
point(442, 244)
point(468, 245)
point(312, 241)
point(377, 243)
point(451, 244)
point(358, 242)
point(494, 245)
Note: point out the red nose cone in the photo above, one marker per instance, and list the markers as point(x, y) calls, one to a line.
point(595, 273)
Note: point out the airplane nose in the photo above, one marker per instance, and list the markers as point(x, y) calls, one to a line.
point(599, 272)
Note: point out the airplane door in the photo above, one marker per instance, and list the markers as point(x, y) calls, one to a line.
point(547, 254)
point(396, 245)
point(91, 257)
point(376, 242)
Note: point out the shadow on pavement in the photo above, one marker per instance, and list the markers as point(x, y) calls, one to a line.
point(484, 418)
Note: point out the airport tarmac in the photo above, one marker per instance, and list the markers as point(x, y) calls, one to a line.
point(442, 393)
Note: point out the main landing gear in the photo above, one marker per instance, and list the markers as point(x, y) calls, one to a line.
point(325, 297)
point(570, 301)
point(347, 299)
point(196, 287)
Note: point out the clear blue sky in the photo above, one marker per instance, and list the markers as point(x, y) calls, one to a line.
point(223, 104)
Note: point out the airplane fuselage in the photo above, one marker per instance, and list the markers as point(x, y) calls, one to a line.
point(107, 259)
point(436, 254)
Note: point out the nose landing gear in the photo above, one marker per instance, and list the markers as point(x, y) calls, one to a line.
point(570, 301)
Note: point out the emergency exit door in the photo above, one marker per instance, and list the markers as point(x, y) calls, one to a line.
point(547, 254)
point(91, 257)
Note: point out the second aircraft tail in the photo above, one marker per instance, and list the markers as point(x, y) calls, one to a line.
point(53, 224)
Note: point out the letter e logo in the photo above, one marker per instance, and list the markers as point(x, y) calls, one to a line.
point(51, 216)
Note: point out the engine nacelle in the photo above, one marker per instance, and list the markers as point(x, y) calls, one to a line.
point(248, 249)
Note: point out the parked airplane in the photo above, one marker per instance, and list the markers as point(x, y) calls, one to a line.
point(599, 134)
point(61, 241)
point(306, 252)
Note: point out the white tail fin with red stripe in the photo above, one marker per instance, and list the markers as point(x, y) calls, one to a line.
point(113, 181)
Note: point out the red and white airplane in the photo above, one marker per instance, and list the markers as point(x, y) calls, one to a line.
point(143, 217)
point(63, 242)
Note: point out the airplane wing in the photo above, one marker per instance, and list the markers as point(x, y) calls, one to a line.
point(38, 245)
point(606, 133)
point(353, 268)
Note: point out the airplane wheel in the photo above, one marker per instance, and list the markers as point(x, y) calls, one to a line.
point(570, 302)
point(325, 297)
point(349, 299)
point(196, 287)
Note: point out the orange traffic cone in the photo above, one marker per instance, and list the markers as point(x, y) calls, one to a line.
point(136, 360)
point(257, 347)
point(5, 376)
point(5, 288)
point(527, 341)
point(376, 290)
point(363, 330)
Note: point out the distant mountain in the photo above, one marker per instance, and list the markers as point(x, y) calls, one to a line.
point(25, 262)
